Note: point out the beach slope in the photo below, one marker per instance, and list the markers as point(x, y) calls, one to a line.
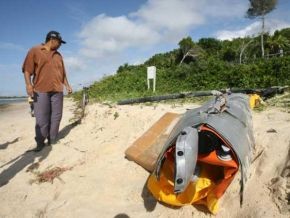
point(87, 175)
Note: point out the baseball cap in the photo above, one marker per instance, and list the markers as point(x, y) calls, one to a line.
point(54, 35)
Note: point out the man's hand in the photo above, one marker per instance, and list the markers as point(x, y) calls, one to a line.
point(68, 89)
point(29, 90)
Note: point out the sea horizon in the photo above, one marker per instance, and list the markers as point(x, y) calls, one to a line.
point(12, 100)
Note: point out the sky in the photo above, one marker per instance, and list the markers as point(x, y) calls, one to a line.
point(101, 35)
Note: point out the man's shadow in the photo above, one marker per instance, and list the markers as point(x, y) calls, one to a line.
point(20, 162)
point(23, 160)
point(66, 130)
point(5, 145)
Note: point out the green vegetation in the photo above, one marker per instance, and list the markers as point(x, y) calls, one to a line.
point(282, 101)
point(203, 65)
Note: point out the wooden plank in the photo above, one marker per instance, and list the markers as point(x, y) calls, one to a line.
point(145, 150)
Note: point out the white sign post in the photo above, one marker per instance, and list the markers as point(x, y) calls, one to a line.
point(151, 74)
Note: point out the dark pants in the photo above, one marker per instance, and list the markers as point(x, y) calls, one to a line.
point(48, 112)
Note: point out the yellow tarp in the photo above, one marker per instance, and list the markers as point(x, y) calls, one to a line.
point(254, 100)
point(198, 192)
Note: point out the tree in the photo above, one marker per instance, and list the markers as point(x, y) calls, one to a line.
point(186, 44)
point(243, 47)
point(276, 43)
point(123, 68)
point(211, 45)
point(188, 48)
point(284, 32)
point(194, 52)
point(259, 8)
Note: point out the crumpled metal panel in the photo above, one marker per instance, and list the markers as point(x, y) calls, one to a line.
point(236, 127)
point(230, 116)
point(186, 150)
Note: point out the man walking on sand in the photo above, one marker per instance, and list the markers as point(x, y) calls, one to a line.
point(44, 65)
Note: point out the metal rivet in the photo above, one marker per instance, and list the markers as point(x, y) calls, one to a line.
point(180, 153)
point(179, 181)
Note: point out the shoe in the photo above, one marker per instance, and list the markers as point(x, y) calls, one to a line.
point(39, 147)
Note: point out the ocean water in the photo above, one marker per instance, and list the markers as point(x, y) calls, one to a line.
point(4, 101)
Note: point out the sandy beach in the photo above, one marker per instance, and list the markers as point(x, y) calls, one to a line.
point(97, 180)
